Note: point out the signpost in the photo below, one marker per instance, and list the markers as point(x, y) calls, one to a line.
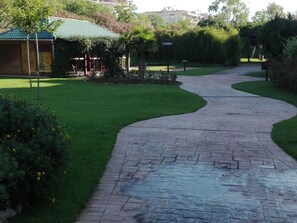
point(167, 44)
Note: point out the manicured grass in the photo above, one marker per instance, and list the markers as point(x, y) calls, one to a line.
point(252, 60)
point(257, 74)
point(201, 71)
point(160, 68)
point(93, 114)
point(283, 133)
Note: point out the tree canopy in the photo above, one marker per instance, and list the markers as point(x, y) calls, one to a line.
point(235, 12)
point(273, 10)
point(4, 18)
point(84, 7)
point(29, 16)
point(126, 12)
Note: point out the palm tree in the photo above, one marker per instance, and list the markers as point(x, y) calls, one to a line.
point(143, 41)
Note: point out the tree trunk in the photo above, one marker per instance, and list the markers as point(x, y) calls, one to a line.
point(28, 61)
point(248, 52)
point(37, 66)
point(141, 67)
point(127, 62)
point(254, 51)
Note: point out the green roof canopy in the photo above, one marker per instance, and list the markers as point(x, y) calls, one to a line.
point(16, 34)
point(68, 28)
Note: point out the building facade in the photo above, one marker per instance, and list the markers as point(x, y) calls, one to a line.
point(13, 46)
point(171, 15)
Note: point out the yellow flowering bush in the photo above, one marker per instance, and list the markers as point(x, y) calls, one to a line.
point(33, 151)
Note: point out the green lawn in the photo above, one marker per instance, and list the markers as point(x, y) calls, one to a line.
point(160, 68)
point(252, 60)
point(93, 114)
point(283, 133)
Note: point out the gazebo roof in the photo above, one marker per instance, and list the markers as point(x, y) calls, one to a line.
point(17, 34)
point(68, 29)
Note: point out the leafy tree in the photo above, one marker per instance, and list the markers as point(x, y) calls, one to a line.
point(30, 16)
point(212, 21)
point(84, 7)
point(109, 22)
point(273, 10)
point(4, 18)
point(184, 25)
point(156, 21)
point(290, 49)
point(274, 35)
point(250, 38)
point(126, 12)
point(235, 12)
point(143, 41)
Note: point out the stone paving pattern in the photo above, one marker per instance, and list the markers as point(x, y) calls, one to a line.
point(218, 164)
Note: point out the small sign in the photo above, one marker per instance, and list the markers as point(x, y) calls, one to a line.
point(167, 43)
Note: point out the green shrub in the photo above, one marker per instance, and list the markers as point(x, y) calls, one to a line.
point(273, 36)
point(77, 46)
point(284, 74)
point(290, 49)
point(32, 152)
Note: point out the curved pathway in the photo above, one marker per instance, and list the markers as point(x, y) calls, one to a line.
point(218, 164)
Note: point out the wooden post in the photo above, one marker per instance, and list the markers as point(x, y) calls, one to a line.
point(85, 64)
point(37, 66)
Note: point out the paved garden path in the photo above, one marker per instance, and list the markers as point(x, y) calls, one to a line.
point(218, 164)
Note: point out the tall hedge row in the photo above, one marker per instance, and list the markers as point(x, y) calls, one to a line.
point(203, 44)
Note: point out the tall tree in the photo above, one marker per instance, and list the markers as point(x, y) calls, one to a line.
point(273, 10)
point(84, 7)
point(250, 39)
point(156, 21)
point(126, 12)
point(4, 18)
point(274, 35)
point(235, 12)
point(111, 23)
point(30, 16)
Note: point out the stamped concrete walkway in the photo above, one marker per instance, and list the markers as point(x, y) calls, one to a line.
point(218, 164)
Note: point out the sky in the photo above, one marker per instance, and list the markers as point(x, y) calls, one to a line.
point(202, 5)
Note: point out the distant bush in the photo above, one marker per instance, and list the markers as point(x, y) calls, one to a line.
point(134, 78)
point(284, 74)
point(290, 49)
point(275, 33)
point(32, 152)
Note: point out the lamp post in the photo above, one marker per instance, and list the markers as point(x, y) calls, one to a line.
point(185, 64)
point(167, 44)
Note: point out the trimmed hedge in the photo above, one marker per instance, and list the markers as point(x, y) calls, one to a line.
point(33, 151)
point(204, 44)
point(284, 74)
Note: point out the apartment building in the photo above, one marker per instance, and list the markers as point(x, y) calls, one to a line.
point(171, 15)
